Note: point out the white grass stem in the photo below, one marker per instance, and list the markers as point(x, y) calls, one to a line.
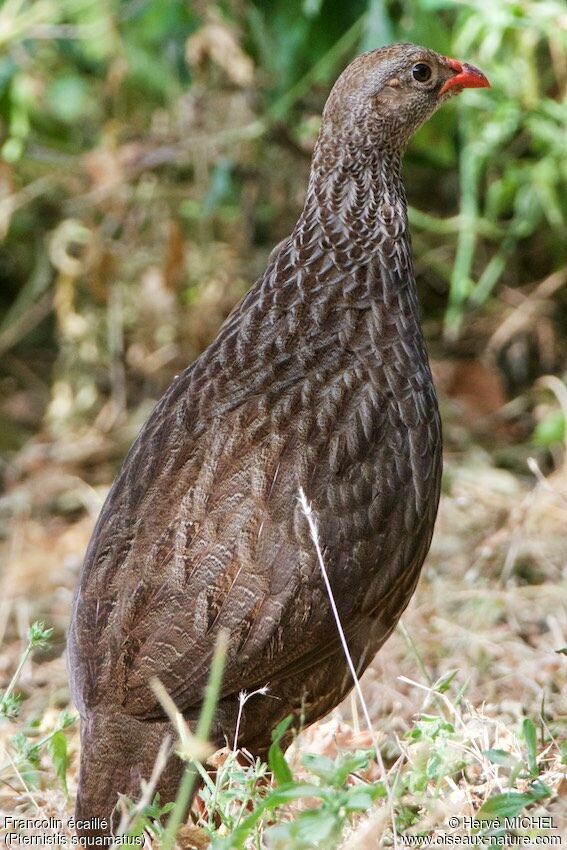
point(308, 512)
point(243, 698)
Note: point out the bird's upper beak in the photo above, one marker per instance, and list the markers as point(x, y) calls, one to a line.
point(466, 77)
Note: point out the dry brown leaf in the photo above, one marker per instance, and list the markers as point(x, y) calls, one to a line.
point(216, 42)
point(192, 838)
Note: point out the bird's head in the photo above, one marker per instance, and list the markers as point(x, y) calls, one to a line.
point(385, 95)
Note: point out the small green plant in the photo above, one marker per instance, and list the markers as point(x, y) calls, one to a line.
point(324, 825)
point(242, 807)
point(148, 818)
point(509, 804)
point(438, 754)
point(520, 768)
point(38, 638)
point(26, 752)
point(237, 789)
point(333, 795)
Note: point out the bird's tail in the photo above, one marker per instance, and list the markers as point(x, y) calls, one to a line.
point(117, 753)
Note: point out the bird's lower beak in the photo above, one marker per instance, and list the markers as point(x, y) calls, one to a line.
point(466, 77)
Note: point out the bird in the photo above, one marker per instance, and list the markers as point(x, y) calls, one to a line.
point(319, 381)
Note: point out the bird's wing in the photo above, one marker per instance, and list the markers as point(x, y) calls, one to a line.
point(191, 539)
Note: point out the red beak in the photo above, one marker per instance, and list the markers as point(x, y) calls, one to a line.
point(466, 77)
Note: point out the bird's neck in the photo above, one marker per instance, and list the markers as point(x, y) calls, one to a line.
point(353, 238)
point(355, 206)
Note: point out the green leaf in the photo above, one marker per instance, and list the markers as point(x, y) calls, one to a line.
point(321, 766)
point(280, 796)
point(276, 758)
point(25, 748)
point(360, 798)
point(221, 185)
point(501, 757)
point(539, 790)
point(39, 637)
point(68, 98)
point(311, 8)
point(506, 805)
point(10, 705)
point(336, 772)
point(282, 727)
point(530, 737)
point(57, 748)
point(66, 719)
point(444, 682)
point(278, 765)
point(550, 430)
point(435, 767)
point(430, 727)
point(295, 791)
point(350, 763)
point(315, 828)
point(378, 28)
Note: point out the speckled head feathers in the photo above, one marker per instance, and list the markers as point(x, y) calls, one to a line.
point(386, 94)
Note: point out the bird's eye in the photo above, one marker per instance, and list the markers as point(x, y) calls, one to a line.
point(421, 72)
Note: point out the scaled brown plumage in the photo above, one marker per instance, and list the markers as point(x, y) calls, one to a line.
point(318, 379)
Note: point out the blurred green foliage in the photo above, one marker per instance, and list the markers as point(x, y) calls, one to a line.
point(152, 154)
